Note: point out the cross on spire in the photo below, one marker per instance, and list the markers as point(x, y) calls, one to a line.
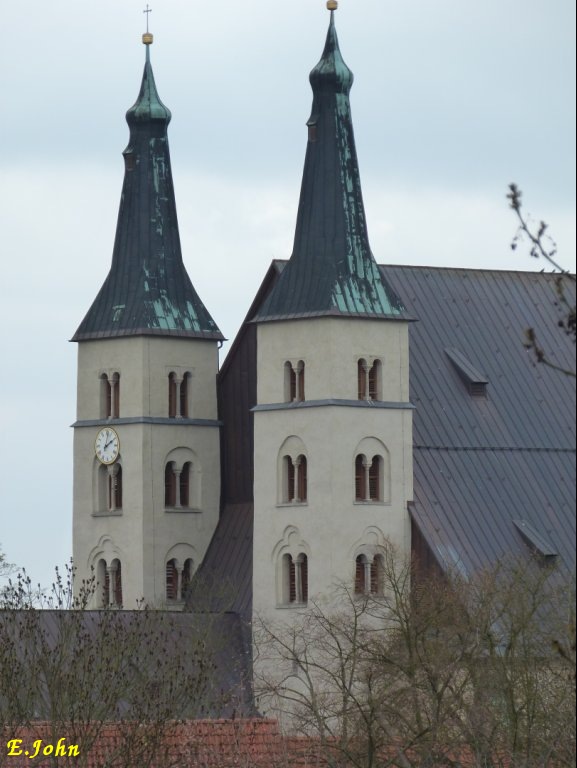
point(147, 11)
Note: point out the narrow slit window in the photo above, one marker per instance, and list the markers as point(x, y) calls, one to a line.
point(362, 380)
point(171, 580)
point(115, 405)
point(375, 381)
point(375, 479)
point(185, 485)
point(297, 578)
point(302, 480)
point(118, 584)
point(289, 479)
point(360, 482)
point(172, 396)
point(169, 486)
point(360, 575)
point(184, 395)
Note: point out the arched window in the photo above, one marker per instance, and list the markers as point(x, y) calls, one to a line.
point(300, 380)
point(288, 479)
point(171, 580)
point(112, 588)
point(375, 381)
point(375, 481)
point(110, 396)
point(109, 489)
point(178, 395)
point(289, 383)
point(113, 474)
point(360, 484)
point(361, 575)
point(105, 397)
point(295, 480)
point(184, 395)
point(294, 382)
point(115, 406)
point(185, 485)
point(178, 579)
point(295, 578)
point(102, 584)
point(117, 583)
point(362, 379)
point(369, 380)
point(368, 478)
point(369, 575)
point(182, 481)
point(177, 485)
point(172, 395)
point(169, 485)
point(302, 482)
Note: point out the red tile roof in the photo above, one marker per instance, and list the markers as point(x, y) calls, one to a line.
point(250, 743)
point(254, 743)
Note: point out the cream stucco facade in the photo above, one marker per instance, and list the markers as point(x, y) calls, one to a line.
point(330, 428)
point(139, 529)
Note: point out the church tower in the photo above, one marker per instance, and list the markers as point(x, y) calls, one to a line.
point(332, 422)
point(146, 438)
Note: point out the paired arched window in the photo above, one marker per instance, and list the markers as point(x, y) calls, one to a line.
point(109, 488)
point(294, 381)
point(369, 478)
point(177, 485)
point(110, 396)
point(109, 578)
point(295, 579)
point(178, 579)
point(295, 481)
point(369, 380)
point(369, 575)
point(178, 395)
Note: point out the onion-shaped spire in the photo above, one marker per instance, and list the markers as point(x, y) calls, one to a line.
point(331, 72)
point(148, 105)
point(332, 270)
point(148, 290)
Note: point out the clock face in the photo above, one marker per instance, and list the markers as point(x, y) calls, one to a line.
point(107, 446)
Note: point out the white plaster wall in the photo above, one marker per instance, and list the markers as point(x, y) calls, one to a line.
point(145, 533)
point(330, 349)
point(144, 364)
point(331, 523)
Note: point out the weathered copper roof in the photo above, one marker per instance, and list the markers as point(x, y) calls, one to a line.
point(332, 270)
point(147, 290)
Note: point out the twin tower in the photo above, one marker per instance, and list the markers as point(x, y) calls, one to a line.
point(290, 468)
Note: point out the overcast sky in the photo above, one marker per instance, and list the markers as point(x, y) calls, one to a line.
point(452, 101)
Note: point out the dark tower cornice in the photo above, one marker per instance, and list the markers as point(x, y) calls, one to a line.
point(332, 270)
point(147, 291)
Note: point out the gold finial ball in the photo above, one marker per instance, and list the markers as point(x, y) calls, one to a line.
point(332, 5)
point(147, 38)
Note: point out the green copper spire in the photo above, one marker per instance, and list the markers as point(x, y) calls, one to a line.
point(332, 270)
point(147, 291)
